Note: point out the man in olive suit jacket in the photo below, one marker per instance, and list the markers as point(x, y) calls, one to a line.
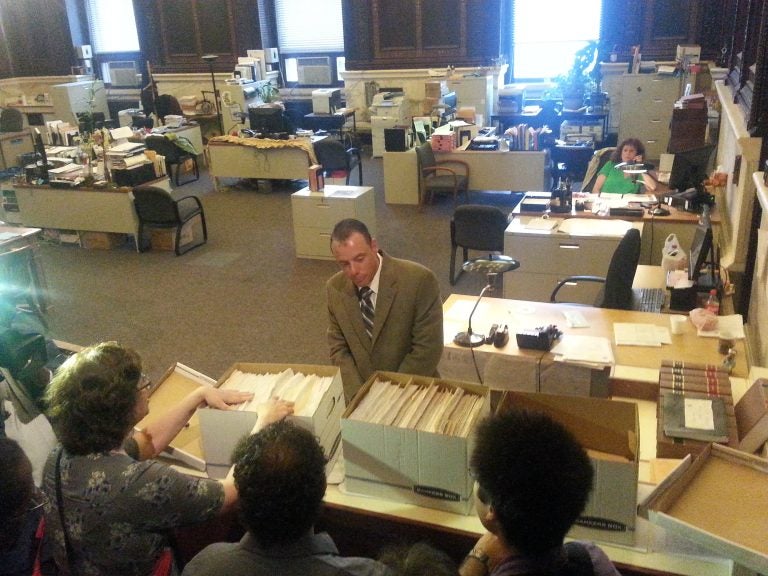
point(385, 313)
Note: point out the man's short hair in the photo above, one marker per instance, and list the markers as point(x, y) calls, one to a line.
point(345, 228)
point(535, 476)
point(280, 476)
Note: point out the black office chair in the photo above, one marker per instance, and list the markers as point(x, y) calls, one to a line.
point(617, 289)
point(174, 156)
point(598, 160)
point(337, 158)
point(157, 209)
point(166, 104)
point(437, 177)
point(475, 227)
point(11, 120)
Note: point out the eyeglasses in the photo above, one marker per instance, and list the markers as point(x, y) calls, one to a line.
point(144, 383)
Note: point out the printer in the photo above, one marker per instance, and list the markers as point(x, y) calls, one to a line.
point(326, 100)
point(511, 99)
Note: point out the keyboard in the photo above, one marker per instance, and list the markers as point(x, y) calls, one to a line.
point(630, 212)
point(648, 299)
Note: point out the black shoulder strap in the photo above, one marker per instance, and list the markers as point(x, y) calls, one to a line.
point(579, 561)
point(60, 506)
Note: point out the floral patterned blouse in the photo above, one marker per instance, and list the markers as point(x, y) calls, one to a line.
point(117, 510)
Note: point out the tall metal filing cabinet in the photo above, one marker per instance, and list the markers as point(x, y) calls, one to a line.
point(474, 91)
point(647, 101)
point(548, 256)
point(75, 98)
point(316, 213)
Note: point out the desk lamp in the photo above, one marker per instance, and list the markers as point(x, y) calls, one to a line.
point(492, 267)
point(635, 169)
point(210, 59)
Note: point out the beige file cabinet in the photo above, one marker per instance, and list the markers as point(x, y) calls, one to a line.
point(548, 256)
point(316, 213)
point(647, 101)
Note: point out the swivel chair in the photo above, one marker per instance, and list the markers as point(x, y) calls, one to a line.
point(436, 177)
point(11, 120)
point(174, 156)
point(166, 104)
point(477, 228)
point(598, 160)
point(617, 289)
point(157, 209)
point(337, 159)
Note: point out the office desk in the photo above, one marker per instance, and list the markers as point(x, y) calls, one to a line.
point(529, 370)
point(234, 157)
point(332, 122)
point(489, 170)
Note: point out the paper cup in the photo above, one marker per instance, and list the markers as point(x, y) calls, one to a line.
point(678, 323)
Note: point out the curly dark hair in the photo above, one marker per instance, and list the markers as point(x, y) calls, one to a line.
point(634, 142)
point(280, 476)
point(345, 228)
point(535, 476)
point(421, 559)
point(91, 399)
point(16, 489)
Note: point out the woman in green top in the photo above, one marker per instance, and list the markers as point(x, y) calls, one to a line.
point(612, 180)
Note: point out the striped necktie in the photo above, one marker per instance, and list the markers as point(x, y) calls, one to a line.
point(366, 307)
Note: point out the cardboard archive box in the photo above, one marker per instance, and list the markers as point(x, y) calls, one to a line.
point(601, 426)
point(408, 465)
point(165, 238)
point(718, 500)
point(221, 430)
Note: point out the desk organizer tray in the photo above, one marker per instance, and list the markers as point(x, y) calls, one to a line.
point(718, 500)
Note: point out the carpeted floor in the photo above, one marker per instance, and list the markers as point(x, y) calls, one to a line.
point(243, 296)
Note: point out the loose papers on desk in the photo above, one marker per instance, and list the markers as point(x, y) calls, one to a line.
point(732, 325)
point(431, 408)
point(637, 334)
point(590, 351)
point(593, 227)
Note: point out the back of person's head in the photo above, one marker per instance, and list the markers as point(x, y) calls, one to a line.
point(91, 400)
point(16, 490)
point(534, 475)
point(345, 228)
point(280, 476)
point(421, 559)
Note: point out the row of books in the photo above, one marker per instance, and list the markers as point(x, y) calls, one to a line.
point(433, 408)
point(304, 390)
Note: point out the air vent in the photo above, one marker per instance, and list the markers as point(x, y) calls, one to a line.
point(314, 70)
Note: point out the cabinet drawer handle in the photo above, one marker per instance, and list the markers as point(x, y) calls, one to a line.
point(658, 100)
point(322, 206)
point(569, 246)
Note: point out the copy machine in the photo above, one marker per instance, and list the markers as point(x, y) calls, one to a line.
point(387, 111)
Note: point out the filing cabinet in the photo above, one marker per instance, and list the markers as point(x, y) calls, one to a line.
point(647, 102)
point(316, 213)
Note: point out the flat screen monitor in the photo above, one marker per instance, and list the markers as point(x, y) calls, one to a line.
point(689, 168)
point(701, 252)
point(42, 162)
point(266, 119)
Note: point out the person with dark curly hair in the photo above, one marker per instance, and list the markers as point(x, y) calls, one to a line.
point(109, 507)
point(612, 180)
point(533, 480)
point(280, 475)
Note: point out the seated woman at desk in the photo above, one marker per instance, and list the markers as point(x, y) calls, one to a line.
point(109, 512)
point(612, 180)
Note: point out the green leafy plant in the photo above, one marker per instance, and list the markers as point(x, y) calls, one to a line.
point(268, 92)
point(582, 78)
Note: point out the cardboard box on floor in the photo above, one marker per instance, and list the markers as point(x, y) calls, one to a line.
point(165, 238)
point(716, 500)
point(223, 429)
point(605, 426)
point(409, 466)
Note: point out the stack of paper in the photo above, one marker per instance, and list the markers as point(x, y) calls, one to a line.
point(592, 351)
point(305, 391)
point(432, 408)
point(634, 334)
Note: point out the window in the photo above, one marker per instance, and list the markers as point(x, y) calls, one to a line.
point(309, 26)
point(112, 26)
point(547, 33)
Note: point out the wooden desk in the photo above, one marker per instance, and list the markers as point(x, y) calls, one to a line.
point(513, 368)
point(245, 158)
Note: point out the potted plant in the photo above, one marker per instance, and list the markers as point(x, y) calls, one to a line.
point(581, 79)
point(268, 92)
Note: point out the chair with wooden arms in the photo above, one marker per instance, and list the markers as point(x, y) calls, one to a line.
point(437, 177)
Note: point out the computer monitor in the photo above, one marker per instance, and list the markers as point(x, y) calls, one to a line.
point(42, 161)
point(689, 168)
point(266, 119)
point(702, 251)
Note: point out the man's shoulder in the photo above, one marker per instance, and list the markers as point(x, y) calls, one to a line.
point(407, 266)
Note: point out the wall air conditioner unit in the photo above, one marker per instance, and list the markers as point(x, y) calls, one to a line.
point(314, 70)
point(123, 74)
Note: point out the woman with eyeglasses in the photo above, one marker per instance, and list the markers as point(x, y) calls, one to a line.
point(21, 515)
point(110, 510)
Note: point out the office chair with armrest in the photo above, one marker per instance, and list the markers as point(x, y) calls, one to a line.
point(11, 120)
point(174, 156)
point(437, 177)
point(598, 160)
point(166, 104)
point(157, 209)
point(617, 289)
point(335, 157)
point(477, 228)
